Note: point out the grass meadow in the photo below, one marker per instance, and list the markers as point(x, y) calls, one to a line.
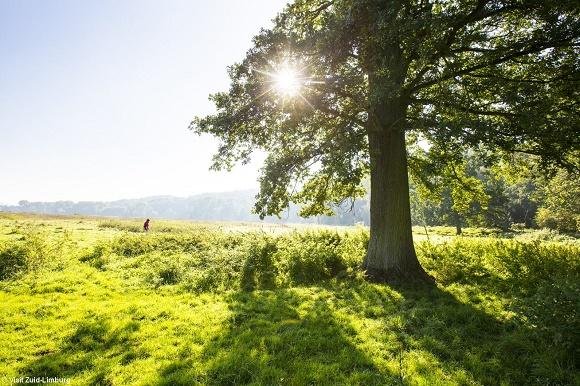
point(97, 301)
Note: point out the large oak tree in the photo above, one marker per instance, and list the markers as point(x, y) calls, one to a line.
point(338, 90)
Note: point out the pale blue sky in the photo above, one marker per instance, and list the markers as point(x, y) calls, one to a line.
point(96, 96)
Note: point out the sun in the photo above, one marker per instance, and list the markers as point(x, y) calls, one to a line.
point(287, 82)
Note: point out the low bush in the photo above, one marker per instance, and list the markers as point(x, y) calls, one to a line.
point(304, 258)
point(13, 259)
point(30, 252)
point(205, 260)
point(540, 279)
point(545, 234)
point(470, 260)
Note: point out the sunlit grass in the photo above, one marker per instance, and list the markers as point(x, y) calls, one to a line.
point(99, 301)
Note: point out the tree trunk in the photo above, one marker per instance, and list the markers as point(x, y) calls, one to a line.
point(391, 254)
point(457, 220)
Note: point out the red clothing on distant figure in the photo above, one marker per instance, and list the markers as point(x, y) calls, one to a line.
point(146, 225)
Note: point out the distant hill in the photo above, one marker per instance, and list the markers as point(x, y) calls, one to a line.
point(226, 206)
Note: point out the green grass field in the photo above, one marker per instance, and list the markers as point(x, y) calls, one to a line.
point(96, 301)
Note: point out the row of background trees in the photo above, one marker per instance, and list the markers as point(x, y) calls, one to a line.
point(485, 190)
point(478, 190)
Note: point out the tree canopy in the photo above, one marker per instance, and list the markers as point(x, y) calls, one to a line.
point(499, 73)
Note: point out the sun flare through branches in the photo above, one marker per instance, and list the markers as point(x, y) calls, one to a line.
point(287, 81)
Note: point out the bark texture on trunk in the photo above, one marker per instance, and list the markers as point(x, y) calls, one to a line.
point(391, 254)
point(457, 220)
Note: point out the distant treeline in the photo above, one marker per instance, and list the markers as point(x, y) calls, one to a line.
point(227, 206)
point(485, 195)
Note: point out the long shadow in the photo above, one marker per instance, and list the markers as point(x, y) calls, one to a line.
point(295, 337)
point(278, 338)
point(467, 343)
point(88, 348)
point(542, 292)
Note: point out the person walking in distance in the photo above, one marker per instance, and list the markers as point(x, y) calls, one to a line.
point(146, 225)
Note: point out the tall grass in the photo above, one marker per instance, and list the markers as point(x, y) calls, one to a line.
point(257, 260)
point(207, 260)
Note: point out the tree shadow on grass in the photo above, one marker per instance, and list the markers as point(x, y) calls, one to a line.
point(538, 285)
point(278, 338)
point(94, 347)
point(258, 270)
point(443, 338)
point(325, 336)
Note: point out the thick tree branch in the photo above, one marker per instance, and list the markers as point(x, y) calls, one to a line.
point(537, 47)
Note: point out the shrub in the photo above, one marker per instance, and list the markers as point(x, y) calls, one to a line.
point(136, 226)
point(206, 260)
point(259, 270)
point(559, 220)
point(499, 262)
point(199, 281)
point(13, 259)
point(561, 207)
point(353, 248)
point(97, 256)
point(164, 269)
point(29, 253)
point(545, 234)
point(304, 258)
